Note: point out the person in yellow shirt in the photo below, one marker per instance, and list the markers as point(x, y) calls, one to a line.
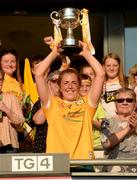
point(11, 119)
point(12, 79)
point(69, 116)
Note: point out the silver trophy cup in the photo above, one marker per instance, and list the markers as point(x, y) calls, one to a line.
point(69, 19)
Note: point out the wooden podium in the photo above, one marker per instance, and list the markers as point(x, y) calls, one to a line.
point(34, 165)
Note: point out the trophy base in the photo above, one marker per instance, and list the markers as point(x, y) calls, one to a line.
point(70, 47)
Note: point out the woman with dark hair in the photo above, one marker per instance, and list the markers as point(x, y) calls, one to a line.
point(11, 119)
point(9, 63)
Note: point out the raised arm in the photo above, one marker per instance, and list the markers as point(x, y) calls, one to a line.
point(41, 71)
point(97, 85)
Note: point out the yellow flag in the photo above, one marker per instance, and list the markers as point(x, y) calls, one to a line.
point(29, 84)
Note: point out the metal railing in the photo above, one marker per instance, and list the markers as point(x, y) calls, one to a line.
point(96, 162)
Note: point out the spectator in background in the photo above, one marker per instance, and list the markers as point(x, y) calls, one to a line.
point(11, 120)
point(88, 70)
point(114, 80)
point(39, 144)
point(9, 62)
point(119, 133)
point(34, 136)
point(86, 84)
point(12, 80)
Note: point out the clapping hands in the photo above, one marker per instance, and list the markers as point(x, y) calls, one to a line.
point(133, 121)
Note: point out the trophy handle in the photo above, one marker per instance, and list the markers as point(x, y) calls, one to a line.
point(54, 16)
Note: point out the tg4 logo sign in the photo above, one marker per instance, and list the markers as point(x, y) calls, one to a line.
point(32, 163)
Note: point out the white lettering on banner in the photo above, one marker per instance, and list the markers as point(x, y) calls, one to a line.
point(32, 163)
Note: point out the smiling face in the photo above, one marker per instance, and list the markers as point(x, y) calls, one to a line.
point(8, 64)
point(85, 87)
point(125, 103)
point(111, 68)
point(69, 86)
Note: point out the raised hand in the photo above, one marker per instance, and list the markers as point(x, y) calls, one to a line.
point(49, 41)
point(133, 121)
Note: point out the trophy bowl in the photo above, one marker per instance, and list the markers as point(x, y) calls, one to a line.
point(69, 19)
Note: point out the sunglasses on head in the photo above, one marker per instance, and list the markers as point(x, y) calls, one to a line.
point(54, 80)
point(128, 100)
